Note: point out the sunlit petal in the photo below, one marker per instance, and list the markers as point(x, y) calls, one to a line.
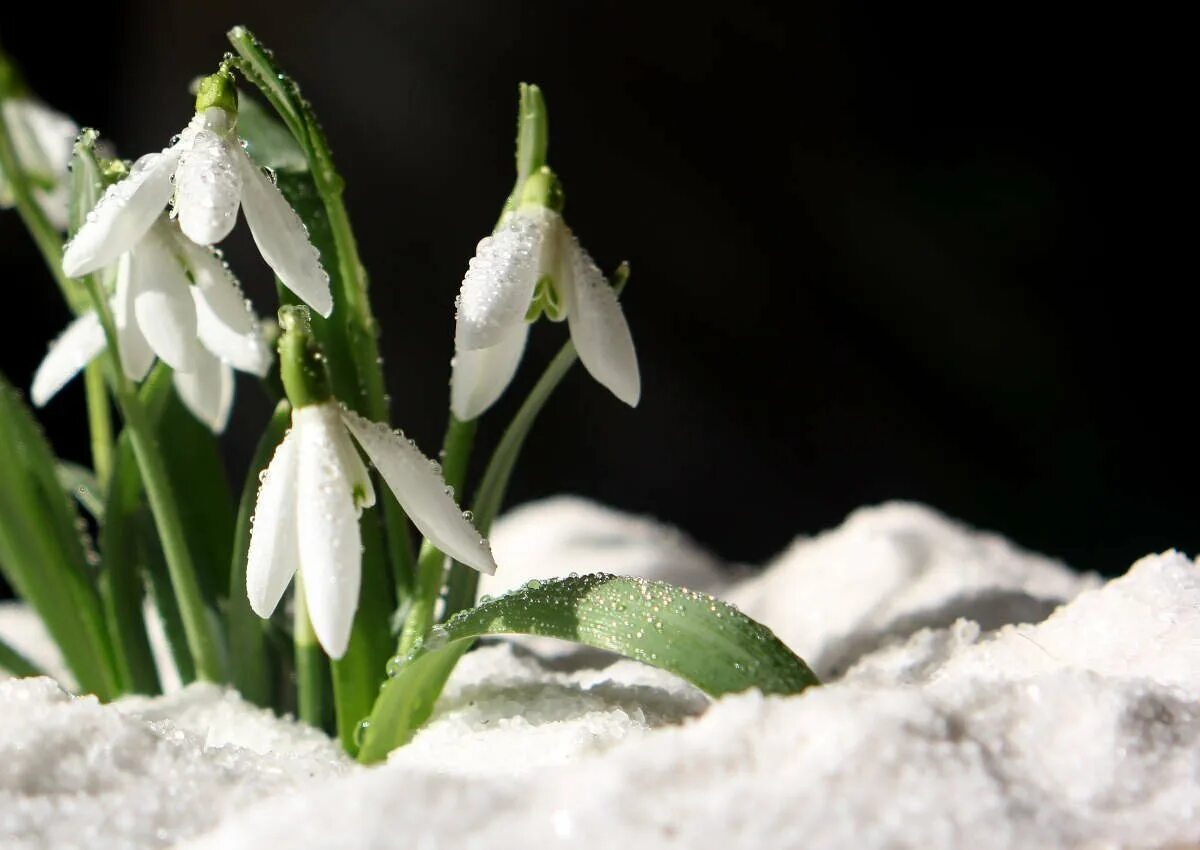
point(75, 347)
point(123, 215)
point(282, 238)
point(207, 390)
point(327, 523)
point(273, 555)
point(598, 326)
point(208, 183)
point(225, 323)
point(420, 489)
point(162, 302)
point(136, 355)
point(500, 279)
point(478, 378)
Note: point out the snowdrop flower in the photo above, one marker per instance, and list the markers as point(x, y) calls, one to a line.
point(208, 174)
point(533, 264)
point(202, 331)
point(315, 487)
point(41, 140)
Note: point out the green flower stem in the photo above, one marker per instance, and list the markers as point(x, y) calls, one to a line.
point(199, 623)
point(46, 237)
point(463, 581)
point(310, 663)
point(100, 425)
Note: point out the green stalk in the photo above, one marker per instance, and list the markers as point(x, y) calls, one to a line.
point(199, 623)
point(310, 663)
point(100, 426)
point(463, 582)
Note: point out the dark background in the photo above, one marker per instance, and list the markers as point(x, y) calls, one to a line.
point(922, 251)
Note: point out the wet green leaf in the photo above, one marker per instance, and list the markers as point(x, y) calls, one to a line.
point(693, 635)
point(42, 552)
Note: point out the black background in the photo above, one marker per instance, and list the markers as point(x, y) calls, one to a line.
point(930, 251)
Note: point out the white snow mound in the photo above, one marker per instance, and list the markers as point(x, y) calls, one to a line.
point(976, 696)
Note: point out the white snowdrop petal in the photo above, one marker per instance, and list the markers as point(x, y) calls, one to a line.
point(598, 326)
point(478, 378)
point(24, 142)
point(55, 204)
point(421, 491)
point(500, 279)
point(282, 238)
point(327, 524)
point(135, 353)
point(53, 133)
point(162, 303)
point(42, 140)
point(225, 323)
point(352, 466)
point(207, 390)
point(274, 555)
point(123, 214)
point(75, 347)
point(208, 187)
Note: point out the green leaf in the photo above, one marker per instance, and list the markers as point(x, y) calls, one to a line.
point(80, 483)
point(41, 551)
point(693, 635)
point(268, 142)
point(12, 660)
point(131, 552)
point(130, 540)
point(247, 632)
point(197, 473)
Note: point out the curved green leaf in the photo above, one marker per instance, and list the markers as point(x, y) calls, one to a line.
point(693, 635)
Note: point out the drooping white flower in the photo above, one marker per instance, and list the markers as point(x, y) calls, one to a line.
point(207, 175)
point(41, 140)
point(309, 503)
point(176, 300)
point(533, 259)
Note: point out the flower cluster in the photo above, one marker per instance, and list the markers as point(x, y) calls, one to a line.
point(161, 290)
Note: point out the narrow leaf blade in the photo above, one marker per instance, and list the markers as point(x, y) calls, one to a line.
point(41, 550)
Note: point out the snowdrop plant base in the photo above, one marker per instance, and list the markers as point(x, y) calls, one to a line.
point(377, 625)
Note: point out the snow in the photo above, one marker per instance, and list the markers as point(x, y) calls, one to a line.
point(976, 695)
